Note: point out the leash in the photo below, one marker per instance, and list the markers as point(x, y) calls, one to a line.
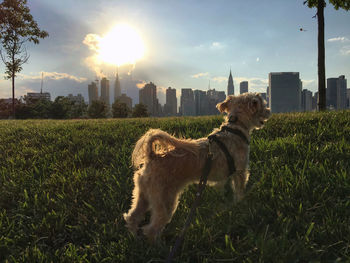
point(201, 186)
point(203, 182)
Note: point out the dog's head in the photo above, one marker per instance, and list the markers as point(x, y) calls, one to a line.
point(249, 108)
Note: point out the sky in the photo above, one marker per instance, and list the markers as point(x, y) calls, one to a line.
point(188, 43)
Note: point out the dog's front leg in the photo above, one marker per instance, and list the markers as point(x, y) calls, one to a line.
point(240, 179)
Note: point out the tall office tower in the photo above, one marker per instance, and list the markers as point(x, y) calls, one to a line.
point(117, 89)
point(336, 92)
point(284, 91)
point(267, 95)
point(105, 90)
point(214, 97)
point(315, 101)
point(187, 106)
point(170, 107)
point(230, 86)
point(243, 87)
point(201, 103)
point(306, 100)
point(93, 92)
point(126, 100)
point(348, 98)
point(148, 97)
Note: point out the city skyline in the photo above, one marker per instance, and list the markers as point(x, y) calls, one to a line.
point(204, 42)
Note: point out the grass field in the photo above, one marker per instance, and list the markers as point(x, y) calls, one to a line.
point(65, 184)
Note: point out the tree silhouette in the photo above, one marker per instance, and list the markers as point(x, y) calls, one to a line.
point(140, 110)
point(120, 110)
point(98, 109)
point(320, 5)
point(17, 27)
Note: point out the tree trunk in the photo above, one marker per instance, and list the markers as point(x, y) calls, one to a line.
point(13, 95)
point(321, 57)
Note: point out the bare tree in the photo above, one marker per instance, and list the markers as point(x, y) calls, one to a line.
point(17, 27)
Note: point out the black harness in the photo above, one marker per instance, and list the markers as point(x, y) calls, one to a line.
point(230, 161)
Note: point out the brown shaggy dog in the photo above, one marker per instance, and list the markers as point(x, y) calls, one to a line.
point(165, 165)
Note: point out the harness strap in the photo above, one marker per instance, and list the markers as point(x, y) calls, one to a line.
point(236, 132)
point(230, 162)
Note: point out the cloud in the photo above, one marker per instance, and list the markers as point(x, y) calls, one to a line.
point(345, 50)
point(338, 39)
point(92, 40)
point(257, 59)
point(219, 79)
point(52, 76)
point(217, 45)
point(210, 46)
point(141, 84)
point(200, 75)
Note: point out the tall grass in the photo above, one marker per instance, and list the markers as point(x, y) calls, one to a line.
point(65, 184)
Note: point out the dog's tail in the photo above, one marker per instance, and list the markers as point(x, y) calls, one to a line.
point(159, 143)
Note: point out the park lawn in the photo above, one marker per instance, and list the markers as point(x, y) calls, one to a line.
point(64, 186)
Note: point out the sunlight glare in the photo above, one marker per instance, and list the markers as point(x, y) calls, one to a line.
point(122, 45)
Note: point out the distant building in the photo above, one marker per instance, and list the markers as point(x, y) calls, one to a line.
point(79, 99)
point(306, 100)
point(230, 86)
point(34, 96)
point(285, 92)
point(187, 106)
point(93, 92)
point(263, 95)
point(315, 101)
point(125, 99)
point(348, 98)
point(214, 97)
point(117, 89)
point(336, 93)
point(201, 103)
point(105, 90)
point(170, 106)
point(148, 97)
point(267, 95)
point(243, 87)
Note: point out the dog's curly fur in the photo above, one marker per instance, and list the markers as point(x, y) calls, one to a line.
point(165, 165)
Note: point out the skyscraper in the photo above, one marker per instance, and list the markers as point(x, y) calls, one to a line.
point(201, 103)
point(187, 106)
point(105, 90)
point(214, 97)
point(148, 97)
point(306, 100)
point(243, 87)
point(230, 86)
point(126, 100)
point(170, 107)
point(93, 92)
point(117, 89)
point(284, 91)
point(336, 92)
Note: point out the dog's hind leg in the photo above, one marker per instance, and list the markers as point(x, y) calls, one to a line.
point(139, 206)
point(162, 211)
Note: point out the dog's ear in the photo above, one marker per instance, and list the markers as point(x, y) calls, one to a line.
point(253, 105)
point(225, 105)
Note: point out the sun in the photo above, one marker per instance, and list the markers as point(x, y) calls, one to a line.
point(122, 45)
